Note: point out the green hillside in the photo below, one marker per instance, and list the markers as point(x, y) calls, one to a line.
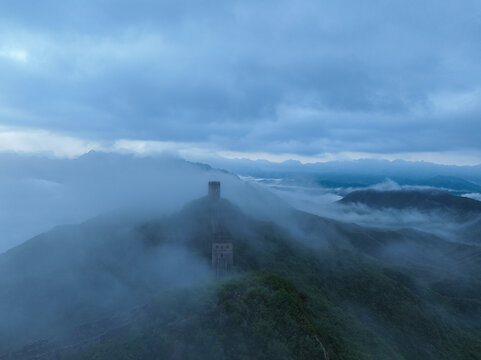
point(303, 288)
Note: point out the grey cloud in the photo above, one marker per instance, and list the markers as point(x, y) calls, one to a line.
point(366, 77)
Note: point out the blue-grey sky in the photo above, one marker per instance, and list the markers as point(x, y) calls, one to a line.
point(310, 80)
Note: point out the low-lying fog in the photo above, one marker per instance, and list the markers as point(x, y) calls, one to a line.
point(39, 193)
point(311, 197)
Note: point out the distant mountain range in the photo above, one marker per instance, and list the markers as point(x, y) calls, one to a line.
point(423, 200)
point(370, 171)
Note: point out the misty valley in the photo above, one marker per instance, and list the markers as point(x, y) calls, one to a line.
point(240, 180)
point(191, 262)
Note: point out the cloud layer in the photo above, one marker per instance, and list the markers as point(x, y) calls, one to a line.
point(303, 78)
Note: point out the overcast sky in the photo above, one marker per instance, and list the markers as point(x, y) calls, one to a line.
point(310, 80)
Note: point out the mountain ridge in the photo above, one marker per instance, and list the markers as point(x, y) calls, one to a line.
point(345, 280)
point(424, 200)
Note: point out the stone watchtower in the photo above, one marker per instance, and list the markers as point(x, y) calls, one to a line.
point(214, 189)
point(222, 247)
point(222, 258)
